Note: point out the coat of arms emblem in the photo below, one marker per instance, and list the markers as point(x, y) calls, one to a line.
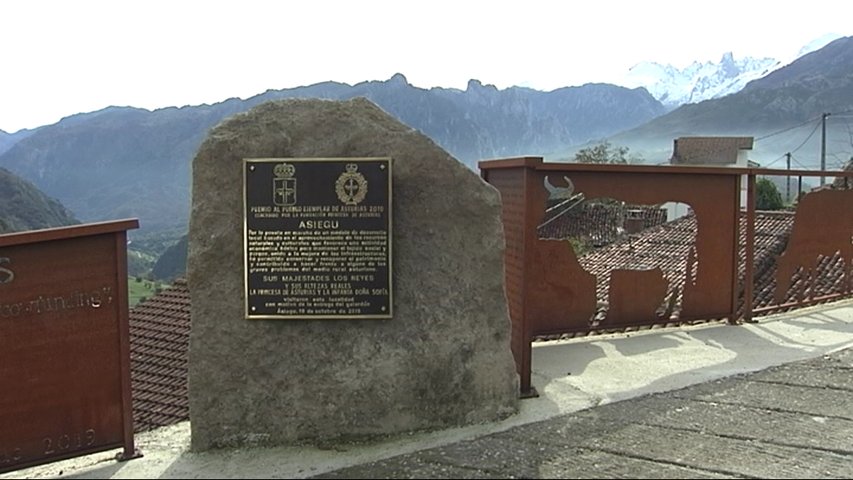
point(351, 186)
point(284, 185)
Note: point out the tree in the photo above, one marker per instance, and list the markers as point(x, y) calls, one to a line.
point(767, 196)
point(579, 245)
point(604, 152)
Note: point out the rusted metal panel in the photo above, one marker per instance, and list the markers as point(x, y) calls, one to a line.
point(510, 184)
point(560, 293)
point(749, 248)
point(823, 229)
point(66, 233)
point(713, 199)
point(635, 298)
point(517, 162)
point(552, 291)
point(64, 351)
point(638, 168)
point(794, 269)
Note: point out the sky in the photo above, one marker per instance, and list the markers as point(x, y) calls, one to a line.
point(61, 57)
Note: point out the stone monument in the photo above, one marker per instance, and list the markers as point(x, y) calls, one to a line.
point(442, 360)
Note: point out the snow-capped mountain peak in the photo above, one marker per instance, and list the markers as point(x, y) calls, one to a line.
point(817, 44)
point(698, 81)
point(703, 81)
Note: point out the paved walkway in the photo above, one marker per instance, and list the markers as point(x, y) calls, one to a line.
point(791, 421)
point(765, 400)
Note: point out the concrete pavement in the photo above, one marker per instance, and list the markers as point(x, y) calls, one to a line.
point(765, 400)
point(790, 421)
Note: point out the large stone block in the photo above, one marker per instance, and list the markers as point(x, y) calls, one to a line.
point(443, 360)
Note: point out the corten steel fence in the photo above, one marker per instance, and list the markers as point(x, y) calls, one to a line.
point(603, 248)
point(65, 385)
point(801, 254)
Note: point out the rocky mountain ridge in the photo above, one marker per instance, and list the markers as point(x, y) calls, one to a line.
point(702, 81)
point(698, 81)
point(782, 111)
point(123, 162)
point(24, 207)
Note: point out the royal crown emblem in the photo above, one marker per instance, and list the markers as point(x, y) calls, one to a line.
point(284, 170)
point(351, 186)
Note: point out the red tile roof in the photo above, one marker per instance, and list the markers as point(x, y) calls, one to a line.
point(772, 230)
point(159, 345)
point(667, 246)
point(598, 223)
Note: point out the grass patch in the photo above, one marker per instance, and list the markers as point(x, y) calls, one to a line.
point(139, 289)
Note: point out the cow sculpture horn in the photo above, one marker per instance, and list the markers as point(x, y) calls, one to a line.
point(559, 193)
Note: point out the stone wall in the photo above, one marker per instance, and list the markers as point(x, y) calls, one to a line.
point(442, 361)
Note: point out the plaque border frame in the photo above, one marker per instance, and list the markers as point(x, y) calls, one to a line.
point(389, 161)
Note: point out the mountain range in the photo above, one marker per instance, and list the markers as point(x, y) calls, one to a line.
point(782, 110)
point(128, 162)
point(697, 82)
point(24, 207)
point(124, 162)
point(9, 139)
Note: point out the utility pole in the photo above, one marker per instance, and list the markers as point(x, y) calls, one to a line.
point(788, 185)
point(823, 147)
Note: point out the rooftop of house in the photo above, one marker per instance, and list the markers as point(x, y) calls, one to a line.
point(159, 344)
point(601, 223)
point(667, 246)
point(709, 150)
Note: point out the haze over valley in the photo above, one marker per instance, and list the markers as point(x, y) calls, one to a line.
point(122, 162)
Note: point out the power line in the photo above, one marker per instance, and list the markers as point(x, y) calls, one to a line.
point(823, 146)
point(774, 161)
point(798, 162)
point(786, 129)
point(845, 113)
point(849, 131)
point(817, 125)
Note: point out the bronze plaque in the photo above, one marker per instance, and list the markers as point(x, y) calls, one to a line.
point(317, 238)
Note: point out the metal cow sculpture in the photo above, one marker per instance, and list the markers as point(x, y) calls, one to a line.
point(823, 227)
point(622, 305)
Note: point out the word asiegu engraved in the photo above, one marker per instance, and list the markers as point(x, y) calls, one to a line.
point(317, 238)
